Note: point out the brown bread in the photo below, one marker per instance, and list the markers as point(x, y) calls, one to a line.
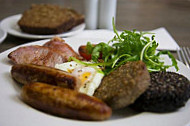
point(49, 19)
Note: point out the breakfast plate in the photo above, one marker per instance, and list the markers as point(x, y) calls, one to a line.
point(3, 35)
point(13, 111)
point(10, 25)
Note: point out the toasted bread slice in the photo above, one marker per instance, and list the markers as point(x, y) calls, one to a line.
point(47, 19)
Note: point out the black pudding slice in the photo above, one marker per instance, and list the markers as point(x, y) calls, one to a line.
point(168, 92)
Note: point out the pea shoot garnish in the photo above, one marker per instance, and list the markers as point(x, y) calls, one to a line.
point(128, 46)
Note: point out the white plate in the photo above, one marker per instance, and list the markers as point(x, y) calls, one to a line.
point(3, 35)
point(10, 25)
point(13, 112)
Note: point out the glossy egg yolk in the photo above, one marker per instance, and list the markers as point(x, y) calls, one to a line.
point(87, 77)
point(84, 77)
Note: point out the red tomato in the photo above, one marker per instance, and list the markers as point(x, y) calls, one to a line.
point(84, 53)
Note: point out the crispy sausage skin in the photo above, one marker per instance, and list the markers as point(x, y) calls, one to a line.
point(60, 45)
point(64, 102)
point(27, 73)
point(35, 54)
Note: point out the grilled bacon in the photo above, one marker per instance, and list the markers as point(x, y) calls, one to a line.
point(60, 45)
point(38, 55)
point(55, 51)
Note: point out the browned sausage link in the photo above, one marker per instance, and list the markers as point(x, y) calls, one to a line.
point(27, 73)
point(64, 102)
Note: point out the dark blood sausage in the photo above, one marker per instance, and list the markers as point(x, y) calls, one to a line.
point(36, 55)
point(64, 102)
point(168, 92)
point(59, 44)
point(124, 85)
point(28, 73)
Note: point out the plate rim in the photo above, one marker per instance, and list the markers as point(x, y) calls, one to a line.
point(109, 122)
point(3, 36)
point(3, 22)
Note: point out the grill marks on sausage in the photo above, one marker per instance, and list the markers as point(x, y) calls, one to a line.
point(56, 51)
point(64, 102)
point(28, 73)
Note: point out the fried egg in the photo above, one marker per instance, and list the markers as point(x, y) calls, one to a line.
point(88, 77)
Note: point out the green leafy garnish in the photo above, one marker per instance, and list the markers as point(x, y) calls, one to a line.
point(128, 46)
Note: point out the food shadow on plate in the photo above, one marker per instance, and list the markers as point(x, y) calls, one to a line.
point(17, 99)
point(9, 62)
point(17, 87)
point(6, 61)
point(15, 95)
point(123, 113)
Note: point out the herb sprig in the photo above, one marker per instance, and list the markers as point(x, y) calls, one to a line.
point(128, 46)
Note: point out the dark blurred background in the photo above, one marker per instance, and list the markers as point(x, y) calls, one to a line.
point(174, 15)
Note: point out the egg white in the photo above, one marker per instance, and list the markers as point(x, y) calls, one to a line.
point(88, 77)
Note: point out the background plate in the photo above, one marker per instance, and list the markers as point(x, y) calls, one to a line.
point(3, 35)
point(10, 25)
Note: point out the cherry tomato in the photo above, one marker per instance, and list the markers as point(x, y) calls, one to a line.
point(84, 53)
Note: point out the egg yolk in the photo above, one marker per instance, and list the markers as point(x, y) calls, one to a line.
point(84, 77)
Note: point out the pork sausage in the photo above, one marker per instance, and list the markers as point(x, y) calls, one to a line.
point(27, 73)
point(64, 102)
